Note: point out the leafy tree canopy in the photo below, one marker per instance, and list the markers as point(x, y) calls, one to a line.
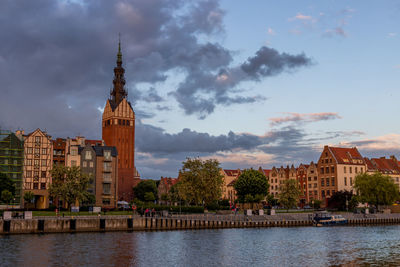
point(289, 193)
point(6, 183)
point(69, 184)
point(251, 186)
point(6, 196)
point(144, 187)
point(149, 196)
point(376, 189)
point(200, 181)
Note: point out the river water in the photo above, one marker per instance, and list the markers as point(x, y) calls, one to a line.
point(297, 246)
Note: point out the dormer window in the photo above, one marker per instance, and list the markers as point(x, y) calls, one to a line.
point(88, 155)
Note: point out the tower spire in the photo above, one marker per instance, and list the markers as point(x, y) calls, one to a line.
point(118, 92)
point(119, 55)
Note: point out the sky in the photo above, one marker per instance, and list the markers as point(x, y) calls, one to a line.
point(250, 83)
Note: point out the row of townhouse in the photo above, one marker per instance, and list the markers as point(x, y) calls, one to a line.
point(335, 171)
point(41, 152)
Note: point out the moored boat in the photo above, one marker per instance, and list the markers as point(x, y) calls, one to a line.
point(326, 219)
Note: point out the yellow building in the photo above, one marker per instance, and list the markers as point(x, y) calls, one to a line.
point(38, 162)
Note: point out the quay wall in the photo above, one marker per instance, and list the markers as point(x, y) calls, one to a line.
point(136, 223)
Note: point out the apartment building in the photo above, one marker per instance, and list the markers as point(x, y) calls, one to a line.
point(101, 163)
point(230, 176)
point(386, 166)
point(59, 145)
point(38, 162)
point(11, 162)
point(301, 176)
point(337, 169)
point(312, 182)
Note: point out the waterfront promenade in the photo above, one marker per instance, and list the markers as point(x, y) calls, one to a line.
point(68, 224)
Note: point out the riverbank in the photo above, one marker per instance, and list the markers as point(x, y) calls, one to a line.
point(177, 222)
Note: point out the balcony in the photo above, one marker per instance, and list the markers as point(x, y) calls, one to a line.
point(107, 169)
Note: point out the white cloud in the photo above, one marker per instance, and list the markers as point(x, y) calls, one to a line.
point(270, 31)
point(300, 16)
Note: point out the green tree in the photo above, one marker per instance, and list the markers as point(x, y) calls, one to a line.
point(69, 184)
point(251, 186)
point(375, 189)
point(149, 196)
point(6, 183)
point(144, 187)
point(164, 197)
point(289, 193)
point(28, 197)
point(200, 181)
point(271, 200)
point(6, 196)
point(173, 194)
point(316, 204)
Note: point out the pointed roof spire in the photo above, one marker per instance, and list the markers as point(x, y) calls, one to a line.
point(119, 55)
point(118, 93)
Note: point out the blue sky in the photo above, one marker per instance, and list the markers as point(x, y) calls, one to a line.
point(251, 83)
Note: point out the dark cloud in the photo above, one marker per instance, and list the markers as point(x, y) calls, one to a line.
point(155, 140)
point(269, 62)
point(60, 54)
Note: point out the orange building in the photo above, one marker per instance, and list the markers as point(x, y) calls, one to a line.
point(338, 168)
point(118, 130)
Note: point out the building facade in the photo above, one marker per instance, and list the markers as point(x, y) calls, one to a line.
point(59, 151)
point(337, 169)
point(118, 130)
point(101, 163)
point(312, 182)
point(301, 176)
point(38, 162)
point(229, 178)
point(165, 185)
point(386, 166)
point(12, 162)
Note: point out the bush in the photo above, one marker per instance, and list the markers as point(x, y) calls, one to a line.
point(213, 206)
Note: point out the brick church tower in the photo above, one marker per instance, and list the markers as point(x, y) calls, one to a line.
point(118, 129)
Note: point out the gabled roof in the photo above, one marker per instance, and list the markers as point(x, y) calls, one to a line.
point(347, 155)
point(383, 165)
point(231, 172)
point(99, 150)
point(266, 172)
point(370, 165)
point(168, 181)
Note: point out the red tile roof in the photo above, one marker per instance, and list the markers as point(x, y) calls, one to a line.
point(370, 165)
point(231, 172)
point(384, 165)
point(347, 155)
point(93, 142)
point(266, 172)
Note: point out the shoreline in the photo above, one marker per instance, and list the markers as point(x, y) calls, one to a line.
point(178, 222)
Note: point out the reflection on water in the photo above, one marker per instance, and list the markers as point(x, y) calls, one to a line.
point(302, 246)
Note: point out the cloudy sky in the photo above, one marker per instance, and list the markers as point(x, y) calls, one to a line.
point(251, 83)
